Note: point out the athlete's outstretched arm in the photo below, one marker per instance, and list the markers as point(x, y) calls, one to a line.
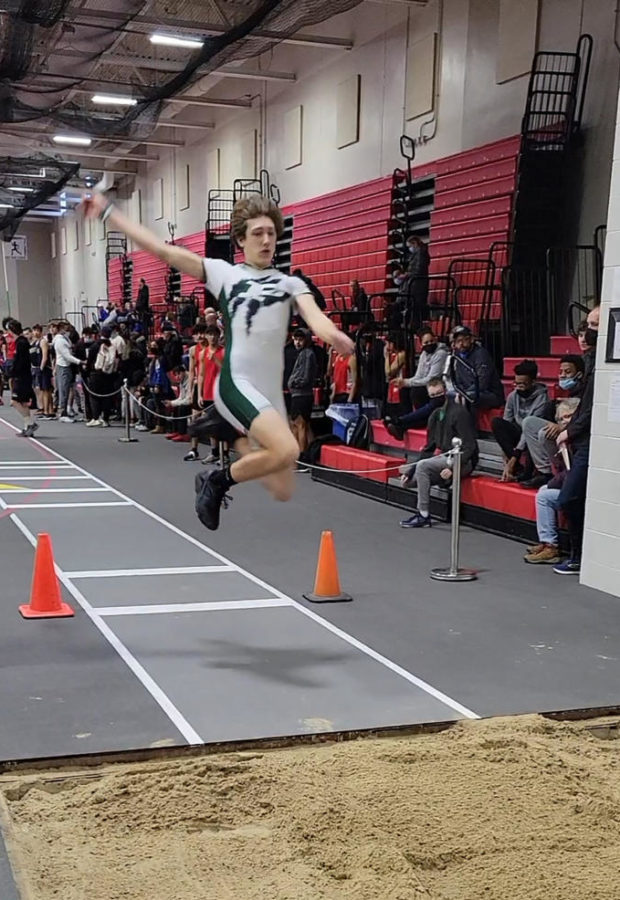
point(96, 206)
point(323, 327)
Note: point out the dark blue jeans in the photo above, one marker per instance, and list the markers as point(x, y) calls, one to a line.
point(572, 499)
point(418, 418)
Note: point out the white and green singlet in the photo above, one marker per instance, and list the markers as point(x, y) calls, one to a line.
point(256, 305)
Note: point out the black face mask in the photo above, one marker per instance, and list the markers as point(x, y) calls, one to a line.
point(429, 348)
point(438, 400)
point(590, 337)
point(525, 392)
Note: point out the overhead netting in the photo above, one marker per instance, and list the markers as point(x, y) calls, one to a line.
point(44, 85)
point(45, 175)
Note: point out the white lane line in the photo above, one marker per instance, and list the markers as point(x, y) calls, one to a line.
point(15, 464)
point(343, 635)
point(175, 716)
point(215, 606)
point(62, 490)
point(129, 573)
point(51, 478)
point(66, 505)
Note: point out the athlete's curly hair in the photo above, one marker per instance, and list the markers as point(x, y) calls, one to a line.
point(251, 208)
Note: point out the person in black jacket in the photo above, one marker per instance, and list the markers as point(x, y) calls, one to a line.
point(449, 421)
point(301, 386)
point(313, 288)
point(572, 499)
point(477, 378)
point(413, 285)
point(22, 394)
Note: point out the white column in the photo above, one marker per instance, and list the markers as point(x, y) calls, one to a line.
point(601, 551)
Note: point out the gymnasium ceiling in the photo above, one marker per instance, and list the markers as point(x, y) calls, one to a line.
point(90, 50)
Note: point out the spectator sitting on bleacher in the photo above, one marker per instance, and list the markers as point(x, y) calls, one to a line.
point(477, 379)
point(540, 432)
point(431, 365)
point(395, 358)
point(547, 551)
point(581, 335)
point(528, 398)
point(572, 499)
point(450, 421)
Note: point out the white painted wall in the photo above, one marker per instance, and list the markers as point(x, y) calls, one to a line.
point(472, 109)
point(601, 551)
point(32, 282)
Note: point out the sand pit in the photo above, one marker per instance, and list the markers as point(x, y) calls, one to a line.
point(508, 809)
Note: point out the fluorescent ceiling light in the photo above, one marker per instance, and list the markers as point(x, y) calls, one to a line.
point(111, 100)
point(21, 190)
point(170, 40)
point(69, 139)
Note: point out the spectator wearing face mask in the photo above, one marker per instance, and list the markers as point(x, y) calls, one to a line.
point(431, 365)
point(477, 379)
point(547, 551)
point(528, 398)
point(572, 499)
point(540, 432)
point(435, 465)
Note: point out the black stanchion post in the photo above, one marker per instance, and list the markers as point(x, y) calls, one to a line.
point(453, 573)
point(127, 437)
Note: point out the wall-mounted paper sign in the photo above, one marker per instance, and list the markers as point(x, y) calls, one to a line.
point(612, 353)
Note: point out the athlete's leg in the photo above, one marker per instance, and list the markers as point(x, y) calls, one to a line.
point(280, 484)
point(278, 449)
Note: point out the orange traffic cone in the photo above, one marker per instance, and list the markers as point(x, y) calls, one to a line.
point(45, 599)
point(327, 583)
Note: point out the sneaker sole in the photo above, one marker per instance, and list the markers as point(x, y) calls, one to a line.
point(566, 572)
point(543, 562)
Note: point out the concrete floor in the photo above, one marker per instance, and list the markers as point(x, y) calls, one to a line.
point(186, 636)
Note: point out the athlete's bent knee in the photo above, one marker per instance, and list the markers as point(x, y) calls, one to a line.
point(286, 456)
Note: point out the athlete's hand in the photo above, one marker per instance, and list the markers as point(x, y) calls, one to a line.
point(93, 205)
point(343, 344)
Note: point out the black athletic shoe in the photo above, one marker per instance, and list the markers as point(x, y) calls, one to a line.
point(210, 497)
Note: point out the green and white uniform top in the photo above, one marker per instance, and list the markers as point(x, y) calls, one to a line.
point(256, 305)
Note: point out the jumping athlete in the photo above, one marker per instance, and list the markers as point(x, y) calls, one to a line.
point(256, 301)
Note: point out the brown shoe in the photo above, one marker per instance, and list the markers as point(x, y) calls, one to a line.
point(549, 556)
point(158, 430)
point(534, 549)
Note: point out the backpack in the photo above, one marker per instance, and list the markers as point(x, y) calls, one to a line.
point(358, 432)
point(312, 455)
point(106, 360)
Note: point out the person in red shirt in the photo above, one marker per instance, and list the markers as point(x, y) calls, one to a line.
point(211, 360)
point(343, 377)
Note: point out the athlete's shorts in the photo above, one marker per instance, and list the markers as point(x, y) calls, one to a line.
point(239, 402)
point(21, 390)
point(195, 405)
point(301, 407)
point(45, 381)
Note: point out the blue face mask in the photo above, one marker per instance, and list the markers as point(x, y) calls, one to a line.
point(463, 354)
point(567, 384)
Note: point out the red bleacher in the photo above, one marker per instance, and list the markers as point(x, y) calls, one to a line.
point(362, 461)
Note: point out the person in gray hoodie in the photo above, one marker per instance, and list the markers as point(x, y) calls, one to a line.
point(528, 398)
point(431, 365)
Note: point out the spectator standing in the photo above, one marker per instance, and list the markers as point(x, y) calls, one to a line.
point(101, 362)
point(316, 292)
point(301, 386)
point(413, 285)
point(210, 366)
point(449, 421)
point(65, 375)
point(22, 394)
point(529, 398)
point(143, 309)
point(159, 384)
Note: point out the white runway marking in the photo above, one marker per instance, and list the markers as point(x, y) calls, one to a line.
point(359, 645)
point(175, 716)
point(215, 606)
point(62, 490)
point(52, 478)
point(64, 505)
point(128, 573)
